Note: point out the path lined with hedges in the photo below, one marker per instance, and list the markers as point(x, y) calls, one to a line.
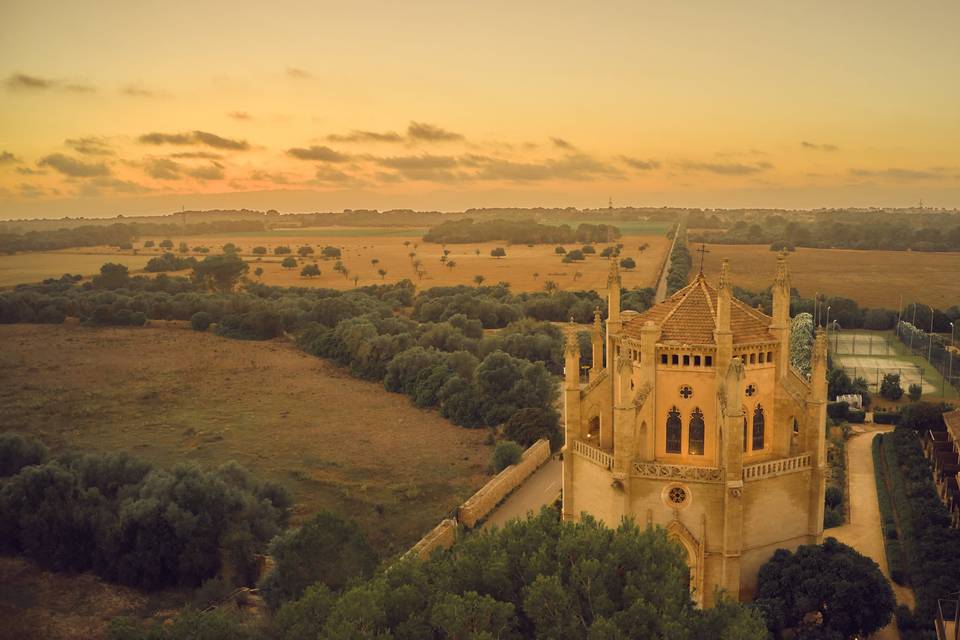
point(863, 531)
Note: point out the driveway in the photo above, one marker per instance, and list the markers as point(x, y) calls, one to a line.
point(540, 489)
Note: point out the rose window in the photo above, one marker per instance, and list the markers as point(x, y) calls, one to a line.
point(686, 391)
point(751, 389)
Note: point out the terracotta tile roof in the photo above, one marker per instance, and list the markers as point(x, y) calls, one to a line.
point(689, 316)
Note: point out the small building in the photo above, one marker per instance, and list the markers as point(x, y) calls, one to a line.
point(693, 420)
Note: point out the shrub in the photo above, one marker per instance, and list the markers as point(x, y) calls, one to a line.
point(833, 497)
point(628, 263)
point(259, 251)
point(289, 262)
point(886, 417)
point(890, 386)
point(281, 250)
point(498, 252)
point(837, 410)
point(330, 252)
point(505, 454)
point(831, 518)
point(18, 451)
point(559, 251)
point(201, 321)
point(856, 416)
point(526, 426)
point(914, 391)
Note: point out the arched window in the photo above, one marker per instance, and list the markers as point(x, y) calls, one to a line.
point(696, 433)
point(674, 431)
point(758, 428)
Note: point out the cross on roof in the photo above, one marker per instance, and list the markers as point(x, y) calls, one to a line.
point(702, 250)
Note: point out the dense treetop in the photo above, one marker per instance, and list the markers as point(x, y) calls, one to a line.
point(518, 232)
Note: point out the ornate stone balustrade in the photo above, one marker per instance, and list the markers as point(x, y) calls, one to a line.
point(593, 454)
point(776, 467)
point(676, 472)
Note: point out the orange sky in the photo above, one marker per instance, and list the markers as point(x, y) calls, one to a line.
point(125, 108)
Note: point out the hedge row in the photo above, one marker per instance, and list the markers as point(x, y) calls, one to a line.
point(932, 546)
point(888, 523)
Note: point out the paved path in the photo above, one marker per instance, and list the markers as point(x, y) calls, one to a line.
point(863, 532)
point(661, 293)
point(538, 490)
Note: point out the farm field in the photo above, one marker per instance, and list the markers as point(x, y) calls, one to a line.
point(872, 278)
point(366, 244)
point(34, 267)
point(170, 395)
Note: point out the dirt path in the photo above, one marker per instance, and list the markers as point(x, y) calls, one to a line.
point(863, 531)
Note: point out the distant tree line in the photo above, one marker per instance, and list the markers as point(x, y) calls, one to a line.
point(902, 233)
point(678, 270)
point(130, 522)
point(518, 232)
point(117, 234)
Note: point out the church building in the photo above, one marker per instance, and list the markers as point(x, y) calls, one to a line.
point(694, 420)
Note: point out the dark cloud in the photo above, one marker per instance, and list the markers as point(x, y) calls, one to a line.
point(194, 137)
point(72, 167)
point(727, 168)
point(200, 155)
point(240, 115)
point(640, 164)
point(265, 176)
point(317, 153)
point(30, 190)
point(8, 158)
point(23, 81)
point(562, 144)
point(213, 171)
point(424, 167)
point(366, 136)
point(897, 173)
point(80, 88)
point(96, 187)
point(819, 147)
point(28, 171)
point(301, 74)
point(575, 166)
point(328, 176)
point(162, 169)
point(431, 133)
point(90, 146)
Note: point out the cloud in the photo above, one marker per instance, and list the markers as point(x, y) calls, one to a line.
point(819, 147)
point(300, 74)
point(90, 146)
point(21, 81)
point(28, 171)
point(430, 133)
point(95, 188)
point(366, 136)
point(265, 176)
point(72, 167)
point(328, 176)
point(562, 144)
point(8, 158)
point(24, 82)
point(240, 115)
point(30, 190)
point(213, 171)
point(639, 163)
point(897, 173)
point(201, 155)
point(162, 169)
point(137, 91)
point(424, 167)
point(577, 166)
point(322, 154)
point(194, 137)
point(727, 168)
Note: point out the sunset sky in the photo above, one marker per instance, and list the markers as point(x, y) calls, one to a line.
point(147, 107)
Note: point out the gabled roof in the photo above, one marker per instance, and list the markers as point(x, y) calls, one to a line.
point(689, 316)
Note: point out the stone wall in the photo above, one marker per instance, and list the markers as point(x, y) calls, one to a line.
point(480, 504)
point(441, 536)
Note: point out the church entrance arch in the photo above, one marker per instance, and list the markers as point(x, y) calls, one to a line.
point(677, 532)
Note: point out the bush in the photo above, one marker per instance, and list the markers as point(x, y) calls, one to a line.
point(505, 454)
point(18, 451)
point(886, 417)
point(201, 321)
point(259, 251)
point(914, 391)
point(281, 250)
point(856, 416)
point(326, 550)
point(837, 410)
point(559, 251)
point(833, 497)
point(890, 386)
point(831, 518)
point(526, 426)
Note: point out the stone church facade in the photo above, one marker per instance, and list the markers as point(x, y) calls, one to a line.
point(698, 424)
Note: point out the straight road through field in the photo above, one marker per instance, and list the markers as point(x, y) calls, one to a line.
point(863, 532)
point(538, 490)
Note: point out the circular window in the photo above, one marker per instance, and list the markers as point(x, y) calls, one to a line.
point(676, 496)
point(686, 391)
point(750, 390)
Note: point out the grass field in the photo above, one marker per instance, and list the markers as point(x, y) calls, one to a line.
point(172, 395)
point(33, 267)
point(360, 246)
point(872, 278)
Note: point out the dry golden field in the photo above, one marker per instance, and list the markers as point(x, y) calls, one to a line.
point(360, 247)
point(872, 278)
point(170, 395)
